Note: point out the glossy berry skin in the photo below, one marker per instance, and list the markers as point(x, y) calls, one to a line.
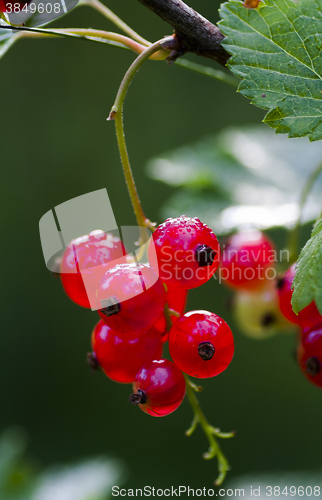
point(201, 344)
point(161, 324)
point(92, 254)
point(121, 356)
point(159, 388)
point(258, 315)
point(187, 252)
point(130, 298)
point(246, 260)
point(309, 316)
point(161, 327)
point(310, 355)
point(176, 300)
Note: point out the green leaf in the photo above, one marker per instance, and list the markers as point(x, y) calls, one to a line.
point(7, 38)
point(240, 178)
point(43, 18)
point(276, 50)
point(41, 13)
point(308, 278)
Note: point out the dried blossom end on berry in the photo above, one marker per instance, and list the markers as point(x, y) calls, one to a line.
point(206, 350)
point(138, 398)
point(205, 255)
point(92, 362)
point(312, 366)
point(110, 306)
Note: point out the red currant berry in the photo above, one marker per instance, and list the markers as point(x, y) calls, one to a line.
point(159, 388)
point(121, 356)
point(131, 298)
point(161, 327)
point(91, 254)
point(176, 300)
point(309, 316)
point(310, 355)
point(187, 252)
point(201, 344)
point(246, 260)
point(161, 324)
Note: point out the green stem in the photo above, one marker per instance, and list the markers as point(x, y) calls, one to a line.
point(100, 7)
point(85, 34)
point(23, 31)
point(105, 35)
point(210, 432)
point(135, 66)
point(206, 70)
point(293, 237)
point(167, 318)
point(139, 214)
point(116, 114)
point(199, 418)
point(92, 35)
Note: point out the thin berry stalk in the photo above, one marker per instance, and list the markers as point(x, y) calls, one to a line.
point(116, 114)
point(92, 35)
point(100, 7)
point(167, 317)
point(210, 432)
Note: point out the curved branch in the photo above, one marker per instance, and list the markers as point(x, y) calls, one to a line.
point(194, 32)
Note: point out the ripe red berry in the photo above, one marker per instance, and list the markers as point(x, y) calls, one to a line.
point(176, 300)
point(92, 254)
point(131, 298)
point(161, 324)
point(310, 355)
point(121, 356)
point(309, 316)
point(187, 252)
point(158, 388)
point(246, 260)
point(201, 344)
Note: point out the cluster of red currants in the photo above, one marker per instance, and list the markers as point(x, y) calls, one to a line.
point(309, 350)
point(133, 299)
point(248, 266)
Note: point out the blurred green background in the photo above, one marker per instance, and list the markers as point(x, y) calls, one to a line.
point(55, 145)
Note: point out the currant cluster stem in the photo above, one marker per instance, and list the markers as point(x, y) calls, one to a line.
point(199, 418)
point(100, 7)
point(88, 34)
point(117, 115)
point(133, 41)
point(210, 431)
